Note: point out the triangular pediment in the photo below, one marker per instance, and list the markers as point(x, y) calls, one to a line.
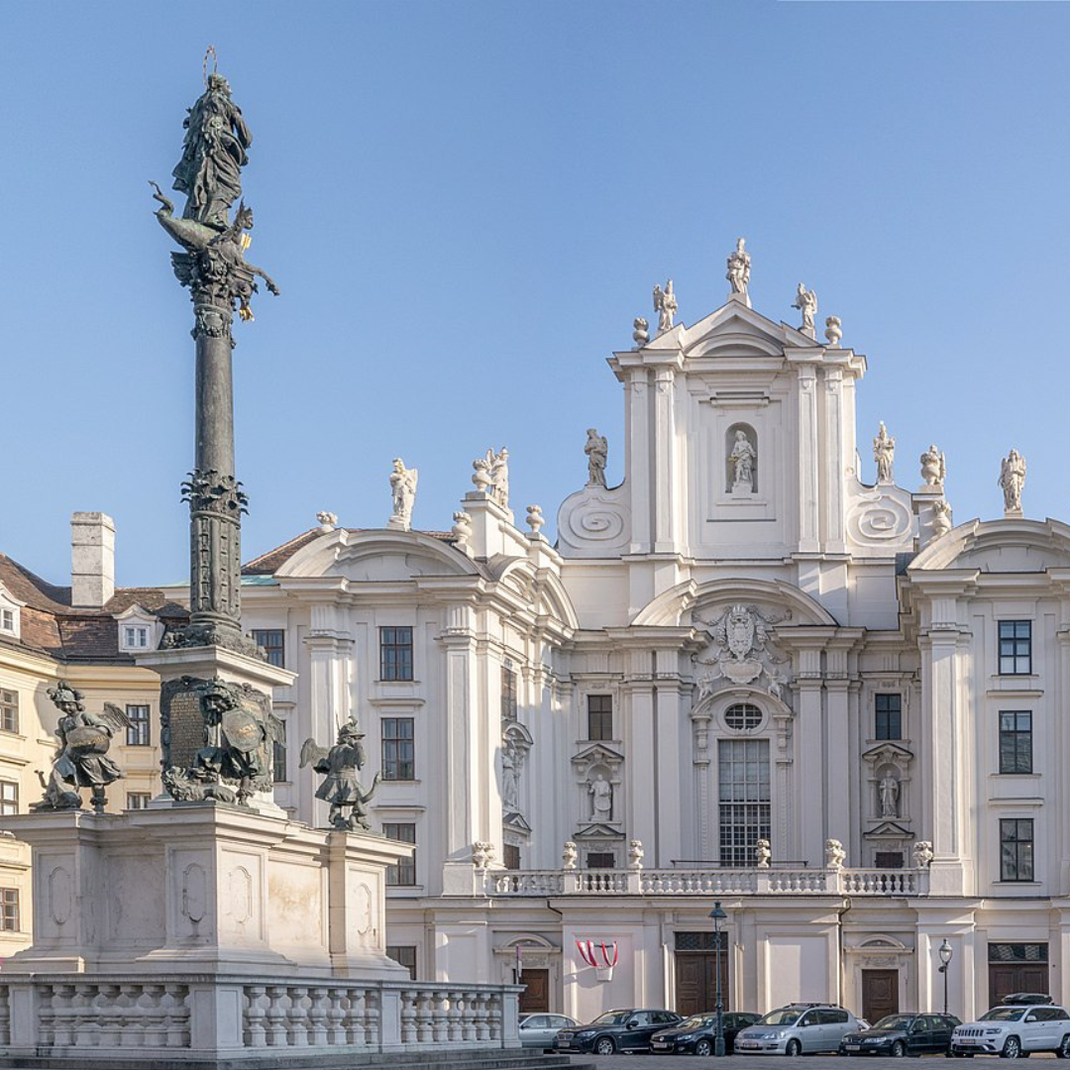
point(888, 830)
point(887, 751)
point(598, 752)
point(734, 330)
point(598, 831)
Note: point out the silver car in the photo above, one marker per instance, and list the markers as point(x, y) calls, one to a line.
point(797, 1028)
point(539, 1030)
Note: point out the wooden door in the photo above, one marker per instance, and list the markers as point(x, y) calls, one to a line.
point(536, 997)
point(1007, 977)
point(696, 982)
point(880, 994)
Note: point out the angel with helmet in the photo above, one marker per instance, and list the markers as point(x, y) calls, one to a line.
point(340, 786)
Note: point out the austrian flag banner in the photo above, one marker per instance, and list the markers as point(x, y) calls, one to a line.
point(598, 956)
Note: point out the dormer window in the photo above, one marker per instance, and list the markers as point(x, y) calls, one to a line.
point(139, 630)
point(135, 637)
point(9, 614)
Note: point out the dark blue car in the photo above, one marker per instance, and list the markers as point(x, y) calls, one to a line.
point(698, 1034)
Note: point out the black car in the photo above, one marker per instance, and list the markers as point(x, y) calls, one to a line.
point(627, 1030)
point(697, 1035)
point(903, 1034)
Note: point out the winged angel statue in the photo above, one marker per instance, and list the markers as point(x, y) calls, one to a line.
point(739, 650)
point(340, 786)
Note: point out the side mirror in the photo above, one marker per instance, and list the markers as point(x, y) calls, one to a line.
point(632, 1023)
point(1030, 1017)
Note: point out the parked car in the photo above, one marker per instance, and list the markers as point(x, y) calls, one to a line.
point(797, 1028)
point(697, 1035)
point(539, 1030)
point(623, 1030)
point(1013, 1031)
point(903, 1034)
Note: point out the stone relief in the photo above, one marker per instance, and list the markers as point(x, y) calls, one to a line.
point(594, 522)
point(884, 454)
point(880, 517)
point(806, 303)
point(340, 765)
point(665, 306)
point(597, 451)
point(740, 651)
point(1012, 480)
point(933, 467)
point(403, 494)
point(738, 274)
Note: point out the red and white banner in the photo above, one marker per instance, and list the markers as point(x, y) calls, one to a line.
point(591, 953)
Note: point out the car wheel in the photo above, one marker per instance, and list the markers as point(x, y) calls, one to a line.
point(604, 1046)
point(899, 1049)
point(1012, 1048)
point(703, 1047)
point(1063, 1050)
point(793, 1047)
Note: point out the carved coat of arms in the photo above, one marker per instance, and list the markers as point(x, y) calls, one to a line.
point(740, 650)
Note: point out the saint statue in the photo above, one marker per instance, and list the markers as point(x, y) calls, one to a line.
point(665, 306)
point(597, 450)
point(1012, 480)
point(403, 492)
point(499, 476)
point(933, 467)
point(884, 454)
point(806, 303)
point(889, 796)
point(739, 269)
point(601, 792)
point(741, 460)
point(510, 777)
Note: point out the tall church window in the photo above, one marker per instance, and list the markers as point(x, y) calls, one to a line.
point(1015, 647)
point(1016, 849)
point(509, 704)
point(599, 716)
point(395, 654)
point(888, 716)
point(743, 775)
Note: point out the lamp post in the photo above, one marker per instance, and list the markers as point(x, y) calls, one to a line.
point(946, 953)
point(718, 916)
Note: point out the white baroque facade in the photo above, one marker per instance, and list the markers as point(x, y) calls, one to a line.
point(744, 641)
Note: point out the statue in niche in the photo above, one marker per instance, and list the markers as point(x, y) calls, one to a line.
point(884, 454)
point(81, 760)
point(742, 460)
point(597, 450)
point(1012, 480)
point(739, 268)
point(511, 763)
point(806, 303)
point(888, 791)
point(601, 792)
point(933, 467)
point(341, 788)
point(665, 306)
point(403, 493)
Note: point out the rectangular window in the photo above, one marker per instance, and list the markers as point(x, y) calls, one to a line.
point(135, 637)
point(888, 714)
point(1015, 741)
point(271, 641)
point(599, 716)
point(399, 750)
point(888, 860)
point(404, 873)
point(1016, 849)
point(395, 653)
point(743, 774)
point(403, 955)
point(601, 860)
point(9, 711)
point(509, 706)
point(7, 620)
point(278, 755)
point(1015, 647)
point(137, 800)
point(511, 856)
point(9, 797)
point(9, 910)
point(137, 734)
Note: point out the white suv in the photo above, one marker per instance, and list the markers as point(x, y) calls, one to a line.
point(1014, 1031)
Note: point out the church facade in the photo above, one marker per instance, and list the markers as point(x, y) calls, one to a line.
point(757, 672)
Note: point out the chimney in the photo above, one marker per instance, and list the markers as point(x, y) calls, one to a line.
point(92, 559)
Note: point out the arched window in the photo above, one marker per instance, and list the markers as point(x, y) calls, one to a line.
point(741, 460)
point(743, 717)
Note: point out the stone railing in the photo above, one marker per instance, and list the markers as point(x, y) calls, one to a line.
point(706, 882)
point(93, 1018)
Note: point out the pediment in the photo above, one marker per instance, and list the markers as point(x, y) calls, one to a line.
point(888, 830)
point(598, 752)
point(887, 752)
point(737, 331)
point(993, 546)
point(598, 831)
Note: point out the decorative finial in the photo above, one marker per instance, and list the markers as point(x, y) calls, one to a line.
point(1012, 480)
point(640, 335)
point(462, 531)
point(328, 521)
point(665, 306)
point(833, 332)
point(942, 522)
point(535, 519)
point(738, 274)
point(806, 303)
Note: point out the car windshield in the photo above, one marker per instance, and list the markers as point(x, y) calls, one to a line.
point(612, 1018)
point(784, 1016)
point(1002, 1014)
point(895, 1021)
point(697, 1021)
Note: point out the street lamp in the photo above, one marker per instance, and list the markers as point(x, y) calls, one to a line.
point(946, 953)
point(718, 916)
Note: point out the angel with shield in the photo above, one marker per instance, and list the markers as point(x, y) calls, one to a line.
point(340, 765)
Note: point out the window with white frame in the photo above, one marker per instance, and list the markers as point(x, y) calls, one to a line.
point(9, 910)
point(135, 637)
point(8, 620)
point(137, 800)
point(743, 782)
point(137, 732)
point(9, 797)
point(9, 711)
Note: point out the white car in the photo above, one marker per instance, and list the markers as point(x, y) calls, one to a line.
point(1015, 1031)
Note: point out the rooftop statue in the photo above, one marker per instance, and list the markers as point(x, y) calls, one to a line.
point(884, 454)
point(403, 494)
point(933, 467)
point(739, 268)
point(1012, 480)
point(665, 306)
point(597, 450)
point(806, 303)
point(341, 788)
point(81, 760)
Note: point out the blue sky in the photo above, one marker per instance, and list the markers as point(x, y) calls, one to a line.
point(466, 204)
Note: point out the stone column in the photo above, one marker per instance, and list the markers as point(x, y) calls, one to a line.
point(808, 465)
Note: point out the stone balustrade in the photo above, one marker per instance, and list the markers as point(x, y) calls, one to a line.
point(190, 1017)
point(707, 882)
